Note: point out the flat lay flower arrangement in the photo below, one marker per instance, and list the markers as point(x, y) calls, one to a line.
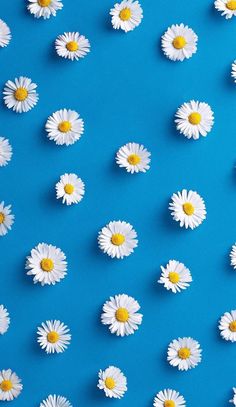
point(117, 219)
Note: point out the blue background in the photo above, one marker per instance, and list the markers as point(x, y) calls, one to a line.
point(125, 90)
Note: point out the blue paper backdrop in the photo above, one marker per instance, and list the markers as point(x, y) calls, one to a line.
point(125, 90)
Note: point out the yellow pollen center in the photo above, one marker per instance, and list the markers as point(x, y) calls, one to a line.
point(117, 239)
point(133, 159)
point(44, 3)
point(188, 208)
point(6, 385)
point(184, 353)
point(47, 265)
point(21, 94)
point(72, 46)
point(52, 337)
point(64, 127)
point(69, 189)
point(173, 277)
point(2, 217)
point(169, 403)
point(231, 5)
point(122, 315)
point(232, 326)
point(195, 118)
point(179, 42)
point(125, 14)
point(110, 383)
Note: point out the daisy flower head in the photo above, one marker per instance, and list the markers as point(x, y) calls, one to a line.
point(194, 119)
point(47, 264)
point(184, 353)
point(6, 219)
point(5, 151)
point(233, 71)
point(70, 189)
point(133, 157)
point(126, 15)
point(113, 382)
point(121, 314)
point(55, 401)
point(175, 276)
point(234, 398)
point(10, 385)
point(227, 326)
point(65, 127)
point(4, 320)
point(117, 239)
point(233, 256)
point(20, 95)
point(72, 45)
point(5, 34)
point(226, 7)
point(44, 8)
point(188, 208)
point(179, 42)
point(169, 398)
point(53, 336)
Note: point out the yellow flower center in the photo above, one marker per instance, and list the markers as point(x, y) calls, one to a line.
point(169, 403)
point(195, 118)
point(53, 337)
point(72, 46)
point(117, 239)
point(2, 217)
point(188, 208)
point(231, 5)
point(64, 127)
point(232, 326)
point(133, 159)
point(184, 353)
point(173, 277)
point(110, 383)
point(125, 14)
point(179, 42)
point(6, 385)
point(69, 189)
point(47, 265)
point(122, 315)
point(44, 3)
point(21, 94)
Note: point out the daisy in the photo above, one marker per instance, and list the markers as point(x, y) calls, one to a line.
point(47, 264)
point(70, 188)
point(133, 157)
point(20, 95)
point(233, 256)
point(120, 313)
point(175, 276)
point(55, 401)
point(194, 119)
point(227, 7)
point(117, 239)
point(72, 45)
point(113, 382)
point(227, 326)
point(169, 398)
point(53, 336)
point(65, 127)
point(44, 8)
point(188, 208)
point(10, 385)
point(184, 353)
point(6, 219)
point(5, 151)
point(5, 34)
point(126, 15)
point(234, 398)
point(179, 42)
point(4, 320)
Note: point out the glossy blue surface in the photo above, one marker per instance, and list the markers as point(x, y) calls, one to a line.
point(125, 90)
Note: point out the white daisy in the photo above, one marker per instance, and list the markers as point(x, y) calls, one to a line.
point(227, 7)
point(175, 276)
point(169, 398)
point(234, 398)
point(184, 353)
point(179, 42)
point(53, 336)
point(227, 326)
point(70, 188)
point(5, 151)
point(20, 95)
point(113, 382)
point(72, 45)
point(44, 8)
point(233, 71)
point(65, 127)
point(4, 320)
point(6, 219)
point(194, 119)
point(5, 34)
point(117, 239)
point(120, 313)
point(133, 157)
point(188, 208)
point(10, 385)
point(55, 401)
point(126, 15)
point(233, 256)
point(47, 264)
